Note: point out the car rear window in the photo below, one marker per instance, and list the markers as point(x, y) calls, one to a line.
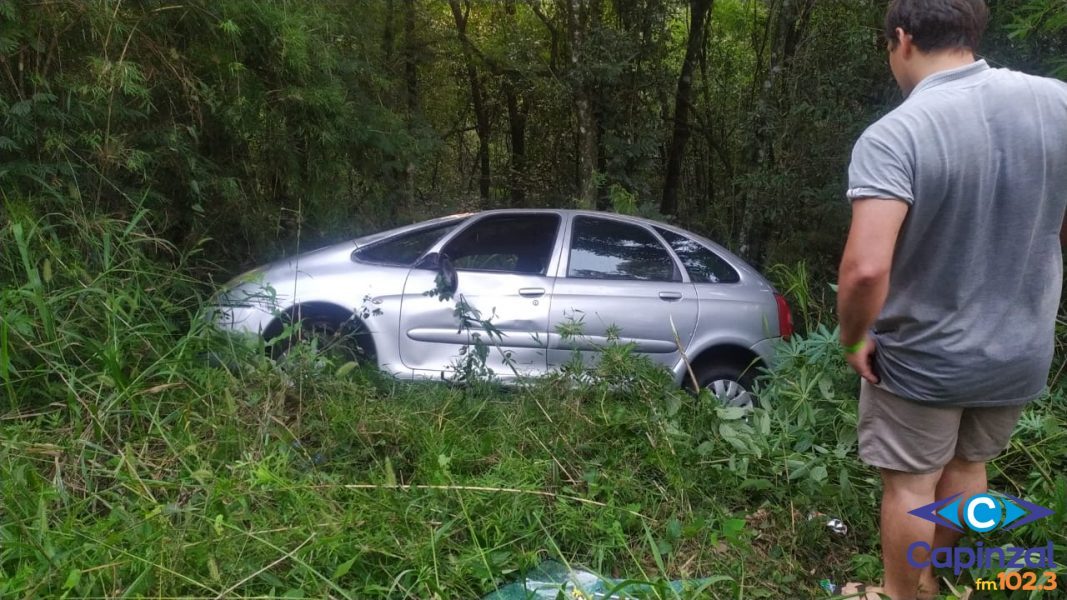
point(704, 266)
point(404, 249)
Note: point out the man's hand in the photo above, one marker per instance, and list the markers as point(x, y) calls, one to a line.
point(862, 361)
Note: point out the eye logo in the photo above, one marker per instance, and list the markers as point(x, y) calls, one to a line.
point(981, 513)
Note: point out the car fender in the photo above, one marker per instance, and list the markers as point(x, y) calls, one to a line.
point(763, 350)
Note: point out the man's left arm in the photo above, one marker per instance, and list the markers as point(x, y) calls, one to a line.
point(863, 277)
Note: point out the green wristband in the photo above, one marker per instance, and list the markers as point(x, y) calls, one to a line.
point(854, 348)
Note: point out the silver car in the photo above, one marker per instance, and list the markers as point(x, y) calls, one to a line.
point(538, 288)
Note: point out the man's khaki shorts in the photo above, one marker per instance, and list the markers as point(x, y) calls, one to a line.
point(903, 435)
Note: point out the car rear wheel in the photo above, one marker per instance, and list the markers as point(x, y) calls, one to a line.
point(732, 385)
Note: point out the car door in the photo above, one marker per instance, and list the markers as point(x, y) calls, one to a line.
point(504, 263)
point(619, 280)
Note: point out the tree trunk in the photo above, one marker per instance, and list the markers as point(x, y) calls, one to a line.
point(411, 73)
point(683, 100)
point(411, 90)
point(578, 17)
point(517, 131)
point(482, 125)
point(387, 34)
point(787, 25)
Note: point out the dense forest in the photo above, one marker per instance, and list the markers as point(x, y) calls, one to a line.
point(263, 125)
point(150, 150)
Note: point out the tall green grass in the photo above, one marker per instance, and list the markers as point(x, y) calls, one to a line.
point(144, 454)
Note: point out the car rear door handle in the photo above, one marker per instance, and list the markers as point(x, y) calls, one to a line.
point(531, 292)
point(670, 296)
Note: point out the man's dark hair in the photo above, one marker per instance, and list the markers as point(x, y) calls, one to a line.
point(938, 24)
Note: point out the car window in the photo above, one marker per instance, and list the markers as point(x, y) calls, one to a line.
point(514, 243)
point(704, 266)
point(610, 249)
point(403, 250)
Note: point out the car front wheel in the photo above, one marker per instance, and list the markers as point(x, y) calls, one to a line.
point(340, 342)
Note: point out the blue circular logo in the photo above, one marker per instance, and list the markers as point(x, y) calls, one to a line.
point(983, 512)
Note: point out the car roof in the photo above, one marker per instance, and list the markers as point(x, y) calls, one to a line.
point(568, 211)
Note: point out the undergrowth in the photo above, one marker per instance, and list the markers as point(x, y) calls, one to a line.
point(142, 453)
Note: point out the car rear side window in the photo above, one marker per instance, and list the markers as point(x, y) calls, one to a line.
point(704, 266)
point(403, 250)
point(611, 249)
point(510, 243)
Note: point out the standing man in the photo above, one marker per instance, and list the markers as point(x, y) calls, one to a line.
point(950, 279)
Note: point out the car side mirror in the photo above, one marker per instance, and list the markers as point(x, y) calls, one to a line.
point(447, 280)
point(447, 277)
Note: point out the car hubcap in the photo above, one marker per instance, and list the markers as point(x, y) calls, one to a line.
point(731, 393)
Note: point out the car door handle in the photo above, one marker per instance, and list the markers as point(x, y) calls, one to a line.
point(531, 292)
point(670, 296)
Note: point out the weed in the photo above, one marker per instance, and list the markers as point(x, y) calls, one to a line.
point(132, 465)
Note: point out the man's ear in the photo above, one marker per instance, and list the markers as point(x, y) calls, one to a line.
point(904, 41)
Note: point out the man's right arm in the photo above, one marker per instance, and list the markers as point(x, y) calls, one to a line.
point(863, 278)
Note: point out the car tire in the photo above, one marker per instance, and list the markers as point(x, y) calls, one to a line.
point(734, 385)
point(338, 341)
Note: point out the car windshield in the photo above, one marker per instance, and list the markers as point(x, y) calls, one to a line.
point(404, 249)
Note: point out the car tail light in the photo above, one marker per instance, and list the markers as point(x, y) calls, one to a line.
point(785, 317)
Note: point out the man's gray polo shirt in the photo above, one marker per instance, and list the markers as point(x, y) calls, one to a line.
point(980, 155)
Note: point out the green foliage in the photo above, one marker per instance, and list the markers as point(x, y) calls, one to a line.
point(234, 120)
point(1042, 26)
point(812, 306)
point(143, 145)
point(85, 300)
point(144, 454)
point(267, 126)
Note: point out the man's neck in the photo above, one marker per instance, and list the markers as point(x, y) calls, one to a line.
point(936, 62)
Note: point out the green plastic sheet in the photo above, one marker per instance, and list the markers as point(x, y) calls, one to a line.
point(552, 581)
